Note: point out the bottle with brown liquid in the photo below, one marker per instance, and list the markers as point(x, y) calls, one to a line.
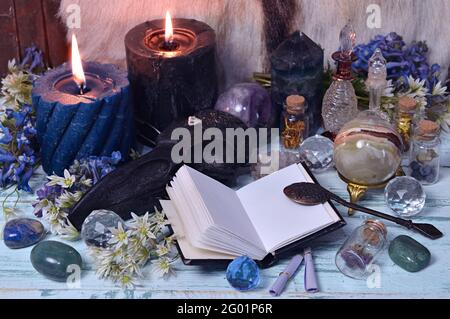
point(294, 122)
point(406, 112)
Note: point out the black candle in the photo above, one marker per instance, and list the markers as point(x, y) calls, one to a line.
point(171, 76)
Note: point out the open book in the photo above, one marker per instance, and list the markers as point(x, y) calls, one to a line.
point(212, 221)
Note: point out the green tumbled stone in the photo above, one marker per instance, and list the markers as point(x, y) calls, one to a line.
point(52, 259)
point(409, 254)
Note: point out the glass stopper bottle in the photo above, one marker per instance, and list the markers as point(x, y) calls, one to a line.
point(358, 253)
point(406, 112)
point(295, 122)
point(424, 158)
point(376, 82)
point(340, 104)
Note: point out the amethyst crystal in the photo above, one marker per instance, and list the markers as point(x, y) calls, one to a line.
point(249, 102)
point(297, 68)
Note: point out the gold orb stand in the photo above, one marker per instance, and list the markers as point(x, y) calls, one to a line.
point(357, 191)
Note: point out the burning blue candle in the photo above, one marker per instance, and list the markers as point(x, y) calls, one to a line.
point(82, 110)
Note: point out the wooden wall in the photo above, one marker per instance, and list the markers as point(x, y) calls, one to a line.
point(24, 22)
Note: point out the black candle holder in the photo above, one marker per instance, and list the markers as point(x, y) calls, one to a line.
point(172, 80)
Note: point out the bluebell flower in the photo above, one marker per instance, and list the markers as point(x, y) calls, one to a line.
point(403, 61)
point(5, 135)
point(22, 140)
point(33, 59)
point(24, 179)
point(6, 156)
point(116, 157)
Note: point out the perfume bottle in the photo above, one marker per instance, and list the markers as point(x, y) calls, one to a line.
point(295, 122)
point(376, 83)
point(340, 104)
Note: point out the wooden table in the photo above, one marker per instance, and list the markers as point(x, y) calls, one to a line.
point(18, 279)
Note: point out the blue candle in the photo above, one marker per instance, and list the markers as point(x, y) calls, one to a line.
point(79, 119)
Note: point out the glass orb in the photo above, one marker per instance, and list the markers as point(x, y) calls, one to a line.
point(368, 150)
point(405, 196)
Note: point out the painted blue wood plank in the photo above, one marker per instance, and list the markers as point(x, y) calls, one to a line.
point(18, 279)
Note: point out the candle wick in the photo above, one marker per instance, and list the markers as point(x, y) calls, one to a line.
point(82, 87)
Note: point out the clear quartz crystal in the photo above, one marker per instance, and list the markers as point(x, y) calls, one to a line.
point(317, 152)
point(347, 39)
point(376, 82)
point(405, 196)
point(340, 104)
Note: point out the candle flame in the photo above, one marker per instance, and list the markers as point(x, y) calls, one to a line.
point(169, 28)
point(77, 67)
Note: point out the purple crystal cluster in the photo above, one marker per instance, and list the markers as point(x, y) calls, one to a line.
point(249, 102)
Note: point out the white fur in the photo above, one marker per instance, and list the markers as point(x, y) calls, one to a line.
point(239, 26)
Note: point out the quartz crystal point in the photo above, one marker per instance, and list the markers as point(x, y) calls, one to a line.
point(376, 82)
point(347, 40)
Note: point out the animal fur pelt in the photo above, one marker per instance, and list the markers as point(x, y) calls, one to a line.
point(248, 30)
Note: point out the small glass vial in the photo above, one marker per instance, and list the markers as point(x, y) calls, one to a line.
point(359, 251)
point(406, 113)
point(424, 157)
point(295, 122)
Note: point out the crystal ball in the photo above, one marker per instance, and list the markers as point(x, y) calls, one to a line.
point(368, 150)
point(249, 102)
point(405, 196)
point(317, 153)
point(243, 273)
point(95, 230)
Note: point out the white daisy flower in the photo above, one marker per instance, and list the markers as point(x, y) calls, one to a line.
point(438, 89)
point(65, 182)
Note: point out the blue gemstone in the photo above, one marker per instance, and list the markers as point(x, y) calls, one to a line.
point(243, 274)
point(23, 232)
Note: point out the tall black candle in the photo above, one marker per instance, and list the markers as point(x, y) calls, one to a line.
point(170, 77)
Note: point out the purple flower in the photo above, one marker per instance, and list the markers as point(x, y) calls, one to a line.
point(5, 135)
point(403, 61)
point(6, 156)
point(24, 179)
point(33, 59)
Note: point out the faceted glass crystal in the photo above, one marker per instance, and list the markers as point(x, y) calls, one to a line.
point(405, 196)
point(96, 228)
point(317, 153)
point(243, 273)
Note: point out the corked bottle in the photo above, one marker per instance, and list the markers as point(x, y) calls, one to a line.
point(294, 122)
point(359, 251)
point(407, 108)
point(424, 154)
